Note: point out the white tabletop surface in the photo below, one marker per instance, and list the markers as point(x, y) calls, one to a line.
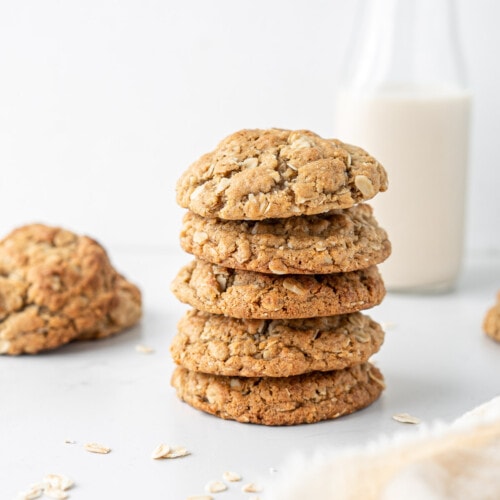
point(436, 361)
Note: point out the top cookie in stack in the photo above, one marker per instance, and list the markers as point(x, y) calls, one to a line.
point(265, 174)
point(279, 231)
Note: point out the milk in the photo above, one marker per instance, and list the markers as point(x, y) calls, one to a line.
point(420, 135)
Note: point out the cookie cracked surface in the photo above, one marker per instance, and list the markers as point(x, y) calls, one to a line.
point(247, 294)
point(55, 287)
point(228, 346)
point(338, 241)
point(275, 173)
point(294, 400)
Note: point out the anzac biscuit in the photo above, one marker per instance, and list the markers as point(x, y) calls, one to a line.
point(281, 401)
point(275, 173)
point(247, 294)
point(338, 241)
point(273, 348)
point(491, 323)
point(55, 287)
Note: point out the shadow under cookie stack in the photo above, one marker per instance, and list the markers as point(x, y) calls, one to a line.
point(286, 254)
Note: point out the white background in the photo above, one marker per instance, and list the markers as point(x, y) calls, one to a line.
point(103, 103)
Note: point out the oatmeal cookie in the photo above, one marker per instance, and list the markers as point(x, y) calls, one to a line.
point(281, 401)
point(273, 348)
point(491, 324)
point(335, 242)
point(247, 294)
point(55, 287)
point(275, 173)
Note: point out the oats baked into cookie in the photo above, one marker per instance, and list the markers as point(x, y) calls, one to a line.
point(247, 294)
point(55, 287)
point(275, 173)
point(281, 401)
point(338, 241)
point(222, 345)
point(491, 324)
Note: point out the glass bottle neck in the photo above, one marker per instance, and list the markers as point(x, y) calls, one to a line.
point(401, 43)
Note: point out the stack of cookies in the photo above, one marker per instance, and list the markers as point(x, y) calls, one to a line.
point(286, 256)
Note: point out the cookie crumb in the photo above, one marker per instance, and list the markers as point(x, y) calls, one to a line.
point(97, 448)
point(69, 441)
point(144, 349)
point(231, 477)
point(215, 487)
point(406, 418)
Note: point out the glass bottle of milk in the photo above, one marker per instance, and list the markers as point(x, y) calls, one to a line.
point(404, 100)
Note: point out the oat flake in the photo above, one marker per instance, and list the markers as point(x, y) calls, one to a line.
point(250, 488)
point(406, 418)
point(144, 349)
point(232, 477)
point(215, 487)
point(97, 448)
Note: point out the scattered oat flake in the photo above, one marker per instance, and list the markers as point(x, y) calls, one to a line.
point(97, 448)
point(69, 441)
point(232, 477)
point(144, 349)
point(200, 497)
point(30, 494)
point(177, 452)
point(58, 481)
point(55, 493)
point(215, 487)
point(161, 451)
point(250, 488)
point(406, 418)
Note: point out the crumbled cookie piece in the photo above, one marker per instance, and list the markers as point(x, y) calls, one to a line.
point(55, 287)
point(338, 241)
point(247, 294)
point(280, 401)
point(222, 345)
point(275, 173)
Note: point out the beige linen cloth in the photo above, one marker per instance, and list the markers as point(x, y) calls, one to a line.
point(459, 461)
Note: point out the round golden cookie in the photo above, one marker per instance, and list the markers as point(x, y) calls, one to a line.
point(55, 287)
point(491, 324)
point(294, 400)
point(338, 241)
point(247, 294)
point(275, 173)
point(228, 346)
